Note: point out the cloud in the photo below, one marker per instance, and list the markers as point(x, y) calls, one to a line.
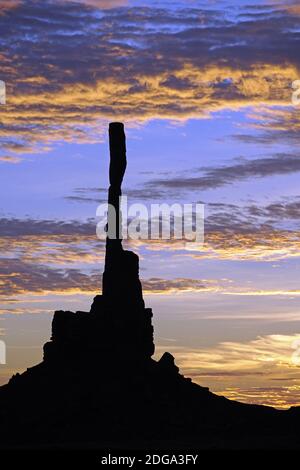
point(272, 125)
point(278, 211)
point(211, 178)
point(13, 227)
point(205, 178)
point(9, 159)
point(231, 367)
point(8, 5)
point(231, 233)
point(20, 278)
point(23, 276)
point(99, 195)
point(234, 234)
point(102, 4)
point(64, 265)
point(56, 250)
point(180, 64)
point(51, 243)
point(64, 257)
point(179, 285)
point(292, 6)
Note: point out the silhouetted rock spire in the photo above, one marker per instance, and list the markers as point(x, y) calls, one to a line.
point(118, 324)
point(121, 285)
point(98, 383)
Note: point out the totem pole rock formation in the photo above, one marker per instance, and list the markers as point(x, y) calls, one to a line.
point(118, 324)
point(98, 382)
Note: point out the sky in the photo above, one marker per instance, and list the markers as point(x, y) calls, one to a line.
point(205, 92)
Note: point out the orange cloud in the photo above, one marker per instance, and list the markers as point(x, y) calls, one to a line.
point(9, 5)
point(230, 368)
point(111, 70)
point(261, 245)
point(79, 112)
point(103, 4)
point(9, 159)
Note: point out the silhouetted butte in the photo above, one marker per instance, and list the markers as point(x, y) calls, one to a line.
point(98, 384)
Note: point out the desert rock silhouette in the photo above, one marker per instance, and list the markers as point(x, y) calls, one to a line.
point(99, 386)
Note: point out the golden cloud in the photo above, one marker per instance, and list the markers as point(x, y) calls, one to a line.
point(78, 112)
point(102, 4)
point(230, 368)
point(9, 159)
point(81, 253)
point(259, 245)
point(135, 64)
point(8, 5)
